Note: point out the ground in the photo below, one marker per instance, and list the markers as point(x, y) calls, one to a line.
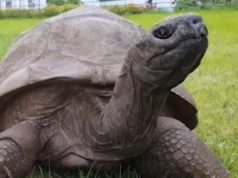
point(214, 85)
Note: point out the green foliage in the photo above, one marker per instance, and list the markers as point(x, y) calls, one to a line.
point(56, 2)
point(186, 4)
point(61, 2)
point(52, 10)
point(134, 9)
point(126, 9)
point(116, 9)
point(15, 13)
point(205, 4)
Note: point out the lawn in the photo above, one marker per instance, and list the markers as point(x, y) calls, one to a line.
point(214, 85)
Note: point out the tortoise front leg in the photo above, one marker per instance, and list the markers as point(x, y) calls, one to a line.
point(19, 146)
point(177, 153)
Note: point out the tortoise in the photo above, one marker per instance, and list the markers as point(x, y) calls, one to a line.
point(89, 89)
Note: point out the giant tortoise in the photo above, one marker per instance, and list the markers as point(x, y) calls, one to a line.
point(90, 89)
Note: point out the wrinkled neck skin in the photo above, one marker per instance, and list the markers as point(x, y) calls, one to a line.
point(128, 121)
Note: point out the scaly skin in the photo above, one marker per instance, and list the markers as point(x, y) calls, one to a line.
point(76, 126)
point(177, 153)
point(19, 147)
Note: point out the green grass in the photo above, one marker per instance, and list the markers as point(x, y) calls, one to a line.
point(214, 85)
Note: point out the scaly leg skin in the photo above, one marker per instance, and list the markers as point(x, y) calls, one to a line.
point(177, 153)
point(19, 146)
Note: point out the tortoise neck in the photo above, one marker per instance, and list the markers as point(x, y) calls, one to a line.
point(129, 119)
point(138, 101)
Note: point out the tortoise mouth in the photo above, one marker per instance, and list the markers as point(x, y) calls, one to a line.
point(193, 42)
point(190, 52)
point(196, 41)
point(200, 42)
point(195, 48)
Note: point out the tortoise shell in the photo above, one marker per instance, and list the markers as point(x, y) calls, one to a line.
point(61, 48)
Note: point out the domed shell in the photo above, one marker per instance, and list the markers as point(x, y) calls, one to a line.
point(87, 45)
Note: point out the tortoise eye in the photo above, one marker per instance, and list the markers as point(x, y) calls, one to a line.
point(162, 33)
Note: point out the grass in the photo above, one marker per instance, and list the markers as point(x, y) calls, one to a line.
point(214, 85)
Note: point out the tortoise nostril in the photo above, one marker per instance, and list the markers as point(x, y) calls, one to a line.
point(195, 19)
point(197, 24)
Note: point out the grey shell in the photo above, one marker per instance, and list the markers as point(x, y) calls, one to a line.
point(87, 44)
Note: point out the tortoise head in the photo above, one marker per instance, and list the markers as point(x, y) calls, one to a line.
point(170, 50)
